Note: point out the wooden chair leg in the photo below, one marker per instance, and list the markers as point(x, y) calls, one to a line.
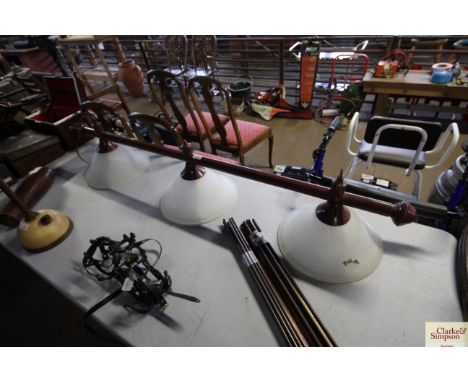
point(202, 145)
point(241, 157)
point(270, 150)
point(122, 100)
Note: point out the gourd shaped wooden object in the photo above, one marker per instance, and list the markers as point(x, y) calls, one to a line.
point(40, 230)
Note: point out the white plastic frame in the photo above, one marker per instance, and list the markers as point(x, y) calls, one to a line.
point(395, 126)
point(353, 125)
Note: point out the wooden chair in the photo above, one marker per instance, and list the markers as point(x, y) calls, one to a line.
point(236, 136)
point(176, 54)
point(110, 121)
point(203, 49)
point(188, 124)
point(162, 133)
point(61, 117)
point(101, 79)
point(155, 129)
point(37, 60)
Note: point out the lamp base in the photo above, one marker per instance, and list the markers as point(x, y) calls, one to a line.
point(334, 254)
point(199, 201)
point(45, 231)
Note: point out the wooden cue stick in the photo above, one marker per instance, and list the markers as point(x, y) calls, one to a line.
point(288, 329)
point(300, 307)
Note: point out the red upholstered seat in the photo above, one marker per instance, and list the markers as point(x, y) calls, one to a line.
point(209, 120)
point(251, 134)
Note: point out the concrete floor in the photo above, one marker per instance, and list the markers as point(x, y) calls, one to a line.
point(35, 314)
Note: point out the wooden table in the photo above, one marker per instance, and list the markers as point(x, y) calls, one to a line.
point(416, 83)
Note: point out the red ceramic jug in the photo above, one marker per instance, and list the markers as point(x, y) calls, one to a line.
point(132, 77)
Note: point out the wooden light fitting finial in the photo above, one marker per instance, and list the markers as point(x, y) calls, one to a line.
point(333, 212)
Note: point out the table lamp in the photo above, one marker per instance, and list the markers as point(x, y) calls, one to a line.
point(40, 230)
point(198, 195)
point(330, 242)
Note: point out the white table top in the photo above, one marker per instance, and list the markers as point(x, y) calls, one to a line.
point(414, 283)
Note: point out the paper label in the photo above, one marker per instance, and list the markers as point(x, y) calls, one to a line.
point(382, 183)
point(23, 226)
point(127, 285)
point(249, 258)
point(280, 168)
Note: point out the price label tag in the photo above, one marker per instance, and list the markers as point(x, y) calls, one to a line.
point(23, 226)
point(127, 285)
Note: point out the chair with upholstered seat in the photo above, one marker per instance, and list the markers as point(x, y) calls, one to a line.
point(176, 54)
point(236, 136)
point(160, 132)
point(188, 123)
point(203, 51)
point(400, 143)
point(155, 129)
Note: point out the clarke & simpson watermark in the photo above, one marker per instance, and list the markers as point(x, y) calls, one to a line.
point(446, 334)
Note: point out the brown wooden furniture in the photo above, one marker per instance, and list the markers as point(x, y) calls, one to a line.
point(5, 66)
point(189, 123)
point(427, 44)
point(459, 50)
point(34, 59)
point(162, 133)
point(236, 136)
point(61, 116)
point(93, 113)
point(101, 79)
point(157, 129)
point(203, 49)
point(20, 94)
point(176, 54)
point(414, 83)
point(29, 149)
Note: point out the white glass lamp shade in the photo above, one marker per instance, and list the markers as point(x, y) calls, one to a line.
point(334, 254)
point(199, 201)
point(116, 167)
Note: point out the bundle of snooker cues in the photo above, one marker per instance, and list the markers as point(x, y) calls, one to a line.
point(295, 319)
